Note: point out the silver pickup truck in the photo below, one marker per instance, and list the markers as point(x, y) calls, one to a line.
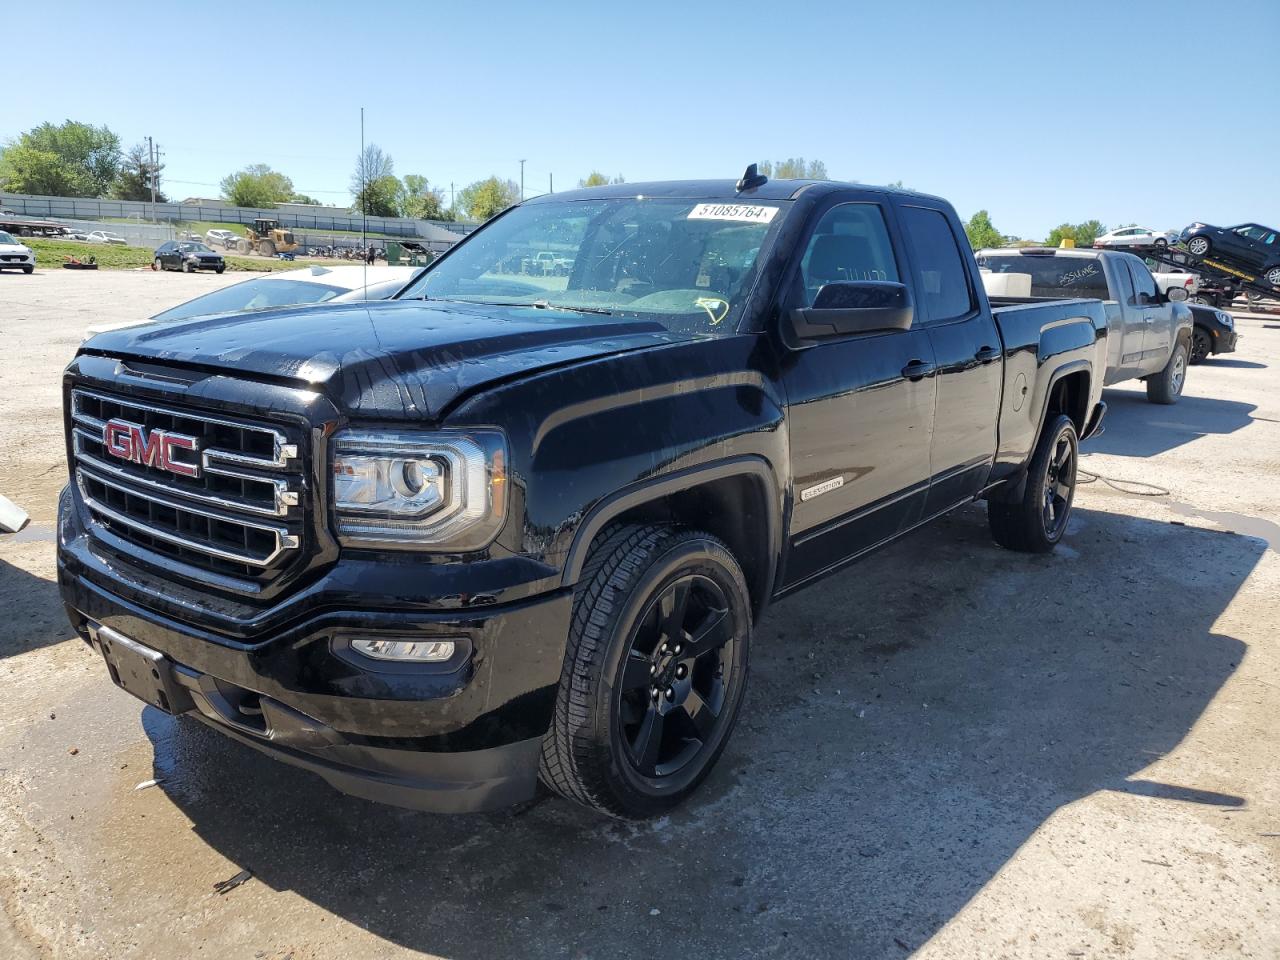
point(1148, 332)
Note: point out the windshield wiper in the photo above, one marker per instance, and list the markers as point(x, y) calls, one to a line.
point(545, 305)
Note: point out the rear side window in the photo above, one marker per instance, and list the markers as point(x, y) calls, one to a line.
point(1053, 276)
point(850, 242)
point(938, 264)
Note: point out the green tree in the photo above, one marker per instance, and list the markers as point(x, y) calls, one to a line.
point(1082, 233)
point(420, 200)
point(374, 186)
point(257, 185)
point(487, 198)
point(982, 233)
point(137, 172)
point(795, 168)
point(70, 159)
point(597, 179)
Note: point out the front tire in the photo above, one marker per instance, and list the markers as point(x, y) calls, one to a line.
point(654, 672)
point(1166, 386)
point(1200, 346)
point(1036, 522)
point(218, 270)
point(28, 270)
point(1198, 246)
point(1162, 243)
point(187, 267)
point(1273, 276)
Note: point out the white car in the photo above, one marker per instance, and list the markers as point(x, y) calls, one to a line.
point(102, 236)
point(221, 238)
point(15, 255)
point(1139, 237)
point(1167, 281)
point(287, 288)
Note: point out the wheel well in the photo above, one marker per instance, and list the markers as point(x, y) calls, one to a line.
point(1070, 395)
point(734, 509)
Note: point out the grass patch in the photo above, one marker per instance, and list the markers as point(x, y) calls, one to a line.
point(51, 254)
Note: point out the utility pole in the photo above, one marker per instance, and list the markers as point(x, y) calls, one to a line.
point(522, 180)
point(151, 171)
point(452, 202)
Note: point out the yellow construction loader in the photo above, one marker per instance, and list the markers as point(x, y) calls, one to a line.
point(266, 238)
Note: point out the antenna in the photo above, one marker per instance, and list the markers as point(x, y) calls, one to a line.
point(751, 179)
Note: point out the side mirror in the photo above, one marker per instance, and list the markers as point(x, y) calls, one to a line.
point(852, 307)
point(1177, 294)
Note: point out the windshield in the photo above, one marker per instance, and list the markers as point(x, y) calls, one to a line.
point(194, 248)
point(1053, 276)
point(687, 264)
point(253, 295)
point(6, 237)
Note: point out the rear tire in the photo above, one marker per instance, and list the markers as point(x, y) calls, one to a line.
point(1200, 346)
point(157, 265)
point(646, 592)
point(1037, 522)
point(1166, 386)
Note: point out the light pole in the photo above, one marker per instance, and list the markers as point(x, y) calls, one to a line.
point(522, 180)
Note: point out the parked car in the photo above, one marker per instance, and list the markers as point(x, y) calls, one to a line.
point(102, 236)
point(15, 255)
point(188, 256)
point(1214, 333)
point(498, 530)
point(1166, 280)
point(1148, 332)
point(222, 238)
point(1249, 247)
point(1135, 238)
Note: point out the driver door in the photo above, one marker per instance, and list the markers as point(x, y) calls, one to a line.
point(860, 408)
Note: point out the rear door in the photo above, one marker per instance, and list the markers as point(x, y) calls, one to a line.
point(1157, 319)
point(966, 350)
point(859, 408)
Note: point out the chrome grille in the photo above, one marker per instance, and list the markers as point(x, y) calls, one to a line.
point(241, 516)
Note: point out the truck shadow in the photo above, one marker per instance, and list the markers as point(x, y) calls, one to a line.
point(903, 737)
point(32, 611)
point(1137, 428)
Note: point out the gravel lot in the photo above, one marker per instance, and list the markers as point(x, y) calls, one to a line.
point(948, 751)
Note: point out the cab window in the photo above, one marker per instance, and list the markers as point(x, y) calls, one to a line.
point(1143, 282)
point(851, 242)
point(940, 276)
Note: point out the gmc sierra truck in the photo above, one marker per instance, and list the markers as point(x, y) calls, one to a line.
point(1149, 329)
point(511, 528)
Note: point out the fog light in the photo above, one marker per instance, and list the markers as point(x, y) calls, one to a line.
point(410, 651)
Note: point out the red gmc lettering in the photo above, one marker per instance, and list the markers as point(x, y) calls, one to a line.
point(130, 441)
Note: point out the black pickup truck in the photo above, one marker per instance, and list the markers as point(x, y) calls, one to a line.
point(518, 524)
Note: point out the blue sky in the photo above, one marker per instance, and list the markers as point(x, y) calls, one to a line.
point(1039, 112)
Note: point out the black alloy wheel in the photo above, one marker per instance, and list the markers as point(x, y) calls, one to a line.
point(676, 677)
point(1059, 487)
point(655, 670)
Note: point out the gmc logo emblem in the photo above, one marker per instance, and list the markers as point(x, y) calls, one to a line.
point(132, 442)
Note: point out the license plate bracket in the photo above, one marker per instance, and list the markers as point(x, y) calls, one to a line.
point(141, 671)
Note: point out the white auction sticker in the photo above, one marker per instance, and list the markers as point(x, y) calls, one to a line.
point(746, 212)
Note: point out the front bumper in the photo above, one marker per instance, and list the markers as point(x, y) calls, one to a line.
point(452, 737)
point(1223, 341)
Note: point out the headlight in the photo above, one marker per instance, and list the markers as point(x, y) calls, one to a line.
point(1226, 319)
point(443, 490)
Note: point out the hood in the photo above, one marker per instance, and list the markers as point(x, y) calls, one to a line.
point(394, 359)
point(14, 248)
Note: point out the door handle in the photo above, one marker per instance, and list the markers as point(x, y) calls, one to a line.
point(918, 369)
point(987, 355)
